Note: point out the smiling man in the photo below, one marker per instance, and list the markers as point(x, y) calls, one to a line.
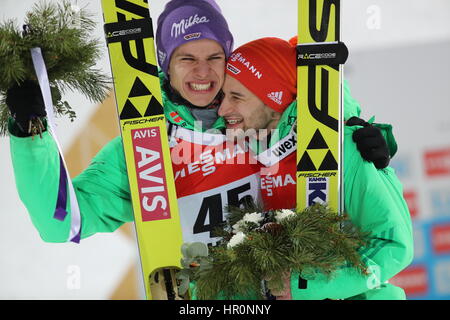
point(193, 42)
point(243, 111)
point(260, 94)
point(270, 86)
point(196, 71)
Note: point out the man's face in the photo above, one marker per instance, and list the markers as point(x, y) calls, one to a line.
point(243, 110)
point(197, 70)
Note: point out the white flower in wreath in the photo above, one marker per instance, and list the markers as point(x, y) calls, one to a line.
point(283, 214)
point(236, 239)
point(253, 217)
point(238, 227)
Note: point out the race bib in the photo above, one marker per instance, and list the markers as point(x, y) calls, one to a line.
point(203, 212)
point(211, 174)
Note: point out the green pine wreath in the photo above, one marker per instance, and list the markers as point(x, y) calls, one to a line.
point(70, 54)
point(257, 245)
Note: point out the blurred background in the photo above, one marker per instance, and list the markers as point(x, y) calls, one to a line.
point(398, 69)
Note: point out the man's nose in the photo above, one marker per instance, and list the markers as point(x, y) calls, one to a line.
point(202, 69)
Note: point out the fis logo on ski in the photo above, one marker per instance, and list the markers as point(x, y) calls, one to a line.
point(150, 174)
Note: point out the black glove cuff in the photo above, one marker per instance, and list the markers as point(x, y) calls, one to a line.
point(355, 121)
point(21, 130)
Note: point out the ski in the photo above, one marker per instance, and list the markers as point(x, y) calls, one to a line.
point(320, 58)
point(129, 37)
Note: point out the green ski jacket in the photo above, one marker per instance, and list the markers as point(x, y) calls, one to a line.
point(374, 201)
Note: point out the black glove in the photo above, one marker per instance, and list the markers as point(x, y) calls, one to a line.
point(370, 143)
point(26, 104)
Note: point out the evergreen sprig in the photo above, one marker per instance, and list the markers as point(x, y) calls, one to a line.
point(314, 241)
point(65, 38)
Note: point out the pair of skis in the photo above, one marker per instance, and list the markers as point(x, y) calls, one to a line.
point(129, 36)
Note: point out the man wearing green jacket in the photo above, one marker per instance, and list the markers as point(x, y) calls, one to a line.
point(102, 189)
point(192, 60)
point(373, 197)
point(191, 78)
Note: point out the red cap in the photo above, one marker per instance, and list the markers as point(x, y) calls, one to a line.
point(267, 67)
